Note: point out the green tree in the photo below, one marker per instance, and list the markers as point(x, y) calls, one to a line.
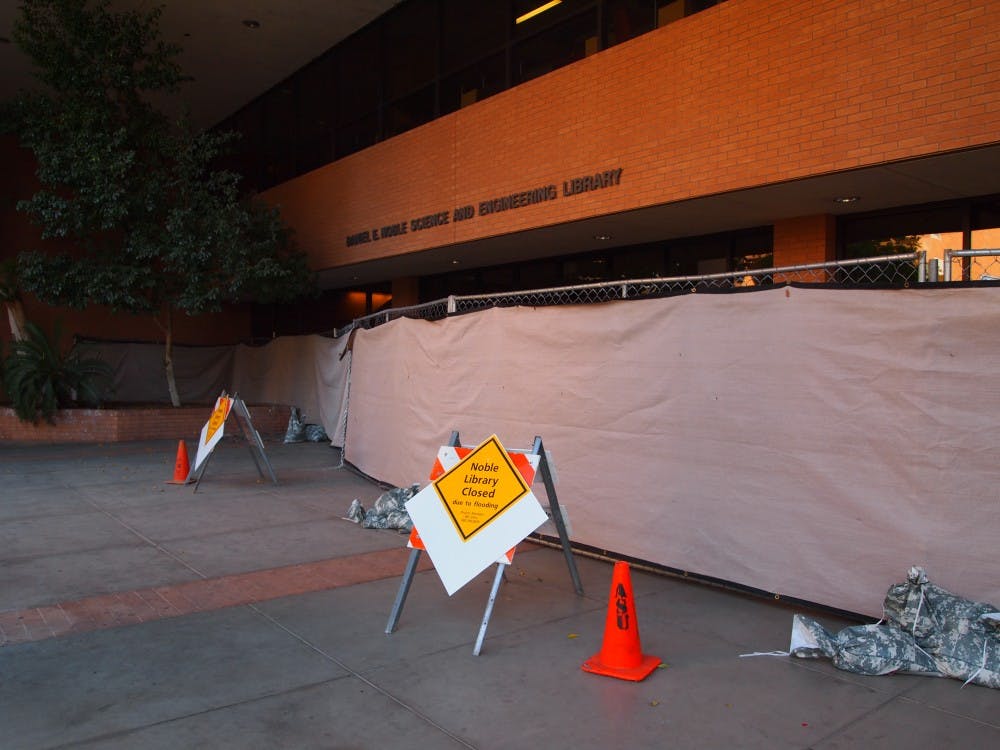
point(153, 228)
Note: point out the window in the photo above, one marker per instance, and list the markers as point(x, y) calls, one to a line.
point(423, 59)
point(639, 262)
point(409, 47)
point(356, 135)
point(358, 79)
point(557, 46)
point(627, 19)
point(932, 229)
point(470, 31)
point(475, 83)
point(407, 113)
point(542, 19)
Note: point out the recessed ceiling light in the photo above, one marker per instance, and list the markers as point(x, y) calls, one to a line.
point(454, 262)
point(847, 199)
point(251, 23)
point(602, 237)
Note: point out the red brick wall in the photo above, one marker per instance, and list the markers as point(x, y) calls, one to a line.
point(747, 93)
point(806, 239)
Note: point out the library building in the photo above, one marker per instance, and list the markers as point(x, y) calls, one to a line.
point(455, 148)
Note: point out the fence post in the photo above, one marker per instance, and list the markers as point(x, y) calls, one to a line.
point(921, 266)
point(452, 306)
point(947, 265)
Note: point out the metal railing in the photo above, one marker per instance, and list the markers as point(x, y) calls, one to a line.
point(887, 270)
point(973, 265)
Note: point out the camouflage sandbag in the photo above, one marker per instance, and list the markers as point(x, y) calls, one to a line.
point(924, 630)
point(295, 432)
point(389, 511)
point(301, 432)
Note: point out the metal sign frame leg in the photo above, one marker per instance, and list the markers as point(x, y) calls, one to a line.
point(557, 516)
point(201, 471)
point(404, 589)
point(497, 580)
point(411, 570)
point(254, 443)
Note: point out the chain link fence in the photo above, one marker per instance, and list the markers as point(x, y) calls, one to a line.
point(900, 270)
point(968, 265)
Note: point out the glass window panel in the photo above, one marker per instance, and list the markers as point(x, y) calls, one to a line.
point(356, 135)
point(313, 152)
point(316, 97)
point(554, 48)
point(669, 11)
point(699, 255)
point(986, 213)
point(586, 269)
point(985, 236)
point(626, 19)
point(552, 15)
point(540, 274)
point(279, 114)
point(695, 6)
point(279, 165)
point(475, 83)
point(470, 30)
point(642, 262)
point(409, 112)
point(901, 232)
point(498, 279)
point(358, 79)
point(410, 46)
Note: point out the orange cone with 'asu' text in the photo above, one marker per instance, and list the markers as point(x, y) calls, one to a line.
point(621, 653)
point(181, 467)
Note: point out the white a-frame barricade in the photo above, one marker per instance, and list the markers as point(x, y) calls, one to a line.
point(214, 429)
point(459, 504)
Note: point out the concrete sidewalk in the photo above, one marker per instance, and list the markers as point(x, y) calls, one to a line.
point(138, 614)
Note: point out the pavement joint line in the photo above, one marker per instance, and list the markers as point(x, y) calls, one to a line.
point(116, 609)
point(126, 731)
point(950, 712)
point(357, 675)
point(145, 538)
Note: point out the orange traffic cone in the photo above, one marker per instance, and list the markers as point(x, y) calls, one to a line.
point(181, 467)
point(621, 654)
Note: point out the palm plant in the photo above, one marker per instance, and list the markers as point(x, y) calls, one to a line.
point(39, 379)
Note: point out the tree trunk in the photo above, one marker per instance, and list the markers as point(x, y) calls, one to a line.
point(168, 360)
point(15, 316)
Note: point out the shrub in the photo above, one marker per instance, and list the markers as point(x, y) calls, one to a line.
point(39, 379)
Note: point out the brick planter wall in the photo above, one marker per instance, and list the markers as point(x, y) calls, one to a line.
point(136, 423)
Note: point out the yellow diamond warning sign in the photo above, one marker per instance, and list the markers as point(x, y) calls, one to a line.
point(480, 487)
point(218, 418)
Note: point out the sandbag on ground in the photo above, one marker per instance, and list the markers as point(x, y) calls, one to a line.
point(924, 630)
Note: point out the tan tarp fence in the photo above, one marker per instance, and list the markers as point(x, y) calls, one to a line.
point(309, 372)
point(201, 372)
point(809, 442)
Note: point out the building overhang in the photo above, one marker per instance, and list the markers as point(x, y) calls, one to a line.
point(932, 179)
